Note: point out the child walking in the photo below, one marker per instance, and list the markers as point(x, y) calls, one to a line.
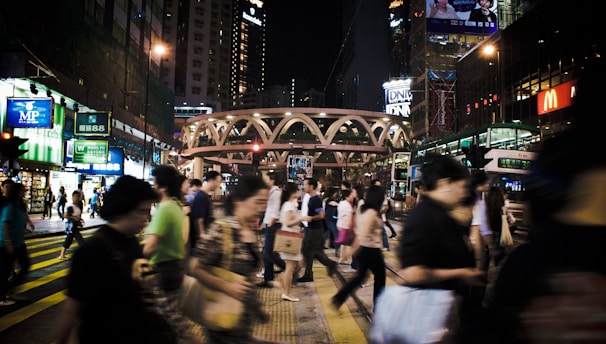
point(73, 223)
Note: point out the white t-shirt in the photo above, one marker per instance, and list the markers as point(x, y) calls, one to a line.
point(304, 207)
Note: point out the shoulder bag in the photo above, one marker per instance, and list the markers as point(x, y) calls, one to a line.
point(213, 309)
point(288, 242)
point(422, 316)
point(506, 238)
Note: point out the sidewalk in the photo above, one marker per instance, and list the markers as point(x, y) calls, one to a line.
point(54, 225)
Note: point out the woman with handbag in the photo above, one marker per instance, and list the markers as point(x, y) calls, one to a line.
point(291, 222)
point(345, 221)
point(242, 208)
point(367, 246)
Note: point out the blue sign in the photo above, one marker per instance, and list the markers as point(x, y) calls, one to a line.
point(114, 166)
point(29, 112)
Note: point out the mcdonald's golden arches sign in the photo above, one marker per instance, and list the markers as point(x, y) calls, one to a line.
point(557, 98)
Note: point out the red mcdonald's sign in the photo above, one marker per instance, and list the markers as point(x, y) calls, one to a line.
point(556, 98)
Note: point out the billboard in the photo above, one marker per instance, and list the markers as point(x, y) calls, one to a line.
point(398, 97)
point(29, 112)
point(298, 168)
point(462, 16)
point(44, 145)
point(92, 123)
point(556, 98)
point(90, 152)
point(114, 165)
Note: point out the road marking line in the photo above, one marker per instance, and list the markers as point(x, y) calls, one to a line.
point(22, 288)
point(29, 311)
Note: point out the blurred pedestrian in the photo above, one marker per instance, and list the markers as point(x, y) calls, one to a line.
point(242, 208)
point(73, 224)
point(104, 292)
point(94, 199)
point(164, 245)
point(367, 247)
point(13, 249)
point(345, 222)
point(61, 202)
point(290, 221)
point(434, 251)
point(202, 208)
point(271, 224)
point(313, 234)
point(49, 199)
point(551, 288)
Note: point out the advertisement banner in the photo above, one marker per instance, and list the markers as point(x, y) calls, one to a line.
point(44, 145)
point(92, 123)
point(114, 165)
point(29, 112)
point(90, 152)
point(299, 167)
point(462, 16)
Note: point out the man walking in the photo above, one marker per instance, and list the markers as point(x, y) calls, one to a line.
point(202, 207)
point(314, 232)
point(271, 225)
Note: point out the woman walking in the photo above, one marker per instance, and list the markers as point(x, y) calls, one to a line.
point(291, 222)
point(367, 247)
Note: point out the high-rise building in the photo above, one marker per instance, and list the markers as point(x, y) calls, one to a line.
point(437, 43)
point(247, 75)
point(366, 57)
point(219, 52)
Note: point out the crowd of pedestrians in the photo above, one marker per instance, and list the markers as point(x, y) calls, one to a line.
point(549, 289)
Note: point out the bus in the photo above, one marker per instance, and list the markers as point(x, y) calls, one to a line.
point(505, 151)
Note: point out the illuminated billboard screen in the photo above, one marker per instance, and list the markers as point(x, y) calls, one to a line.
point(461, 16)
point(29, 112)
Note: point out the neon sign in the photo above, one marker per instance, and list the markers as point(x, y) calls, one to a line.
point(398, 97)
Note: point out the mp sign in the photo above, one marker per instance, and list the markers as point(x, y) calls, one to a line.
point(29, 112)
point(398, 97)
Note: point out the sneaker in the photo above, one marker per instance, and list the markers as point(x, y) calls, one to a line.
point(348, 270)
point(290, 298)
point(305, 279)
point(63, 258)
point(261, 274)
point(7, 303)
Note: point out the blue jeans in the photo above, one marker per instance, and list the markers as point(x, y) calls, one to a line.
point(269, 256)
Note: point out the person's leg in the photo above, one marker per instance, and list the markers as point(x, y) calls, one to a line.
point(335, 234)
point(22, 258)
point(6, 268)
point(391, 229)
point(307, 248)
point(376, 264)
point(343, 293)
point(69, 238)
point(268, 264)
point(287, 278)
point(385, 239)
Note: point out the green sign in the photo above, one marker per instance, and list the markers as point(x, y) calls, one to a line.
point(90, 152)
point(92, 123)
point(44, 145)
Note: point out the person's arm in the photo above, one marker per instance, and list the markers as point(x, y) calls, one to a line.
point(418, 274)
point(151, 245)
point(8, 240)
point(68, 320)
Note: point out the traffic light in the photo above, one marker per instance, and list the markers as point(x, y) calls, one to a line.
point(9, 146)
point(256, 154)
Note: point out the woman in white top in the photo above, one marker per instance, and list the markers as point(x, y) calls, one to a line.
point(291, 221)
point(345, 221)
point(367, 246)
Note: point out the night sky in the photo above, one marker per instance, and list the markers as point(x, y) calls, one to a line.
point(303, 41)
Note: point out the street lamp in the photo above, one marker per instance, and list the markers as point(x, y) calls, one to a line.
point(490, 50)
point(158, 49)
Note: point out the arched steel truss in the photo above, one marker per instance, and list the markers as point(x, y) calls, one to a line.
point(334, 137)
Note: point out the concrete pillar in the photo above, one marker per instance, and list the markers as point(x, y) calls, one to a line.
point(199, 168)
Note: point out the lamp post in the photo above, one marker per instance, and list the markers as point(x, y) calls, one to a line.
point(491, 50)
point(159, 49)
